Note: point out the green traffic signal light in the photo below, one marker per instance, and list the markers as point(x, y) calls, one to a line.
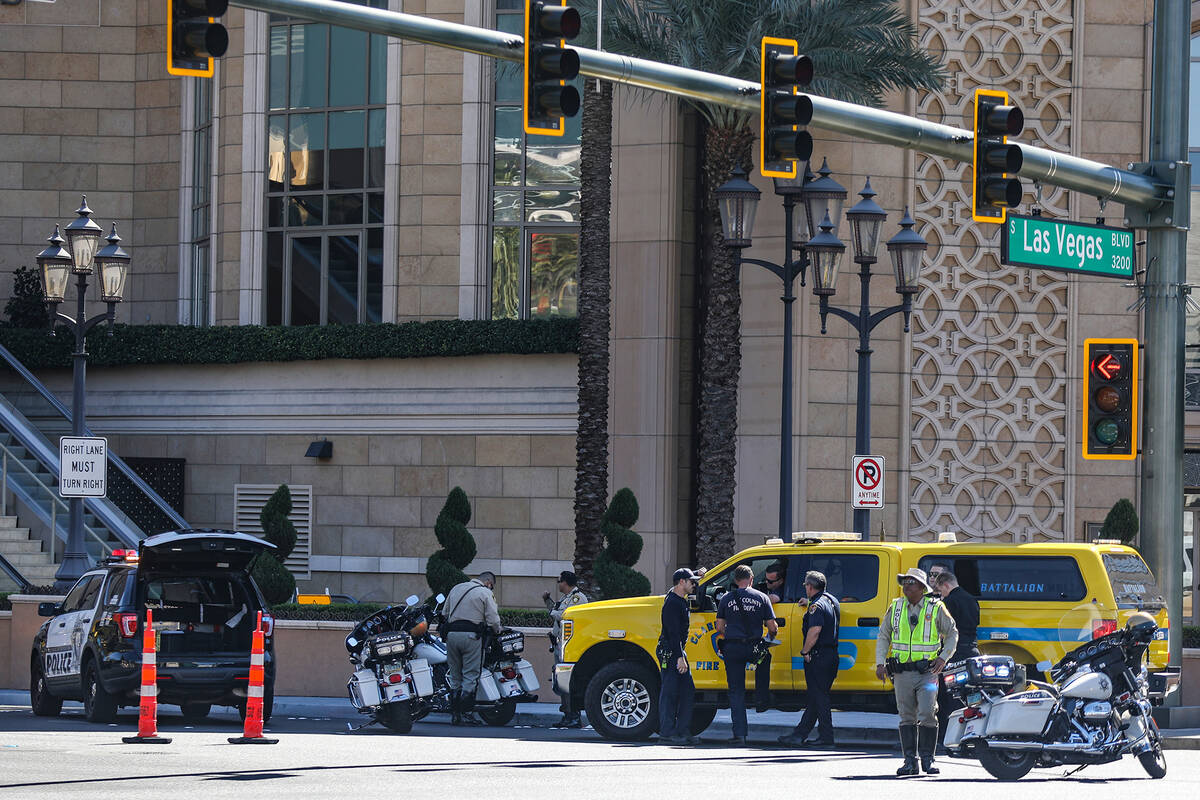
point(996, 162)
point(549, 64)
point(1109, 429)
point(782, 109)
point(194, 38)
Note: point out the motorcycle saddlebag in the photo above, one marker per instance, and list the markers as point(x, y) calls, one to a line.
point(363, 687)
point(529, 681)
point(1021, 713)
point(422, 677)
point(487, 691)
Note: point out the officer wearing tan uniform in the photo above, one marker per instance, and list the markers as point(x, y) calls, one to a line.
point(916, 638)
point(471, 612)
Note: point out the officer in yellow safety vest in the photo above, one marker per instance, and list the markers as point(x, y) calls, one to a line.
point(916, 638)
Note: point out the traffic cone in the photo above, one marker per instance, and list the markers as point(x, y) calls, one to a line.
point(252, 733)
point(148, 705)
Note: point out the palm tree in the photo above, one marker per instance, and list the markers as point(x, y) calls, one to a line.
point(591, 442)
point(860, 49)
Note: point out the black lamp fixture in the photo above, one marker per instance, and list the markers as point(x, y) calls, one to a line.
point(907, 249)
point(737, 199)
point(320, 449)
point(823, 197)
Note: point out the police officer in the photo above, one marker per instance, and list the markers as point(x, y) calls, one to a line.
point(820, 652)
point(964, 608)
point(916, 637)
point(678, 690)
point(741, 615)
point(472, 612)
point(570, 595)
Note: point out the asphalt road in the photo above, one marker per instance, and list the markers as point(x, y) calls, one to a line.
point(319, 757)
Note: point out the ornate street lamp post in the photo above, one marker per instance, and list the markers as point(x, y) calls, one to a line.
point(906, 248)
point(56, 264)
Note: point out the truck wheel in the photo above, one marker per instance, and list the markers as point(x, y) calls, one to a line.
point(702, 717)
point(622, 701)
point(1006, 765)
point(98, 704)
point(397, 717)
point(43, 703)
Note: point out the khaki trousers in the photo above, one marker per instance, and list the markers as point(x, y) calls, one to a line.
point(916, 698)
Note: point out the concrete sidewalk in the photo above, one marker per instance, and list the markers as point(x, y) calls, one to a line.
point(852, 729)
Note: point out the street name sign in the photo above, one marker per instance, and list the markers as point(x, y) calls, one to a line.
point(1044, 243)
point(867, 482)
point(83, 466)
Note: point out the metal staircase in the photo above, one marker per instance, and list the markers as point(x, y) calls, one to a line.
point(29, 469)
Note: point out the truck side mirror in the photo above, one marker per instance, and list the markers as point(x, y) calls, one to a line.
point(49, 609)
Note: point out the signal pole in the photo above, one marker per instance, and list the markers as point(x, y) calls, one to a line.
point(1162, 453)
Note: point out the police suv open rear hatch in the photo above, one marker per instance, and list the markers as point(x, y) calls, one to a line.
point(200, 550)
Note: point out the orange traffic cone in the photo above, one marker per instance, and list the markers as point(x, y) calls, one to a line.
point(148, 705)
point(252, 733)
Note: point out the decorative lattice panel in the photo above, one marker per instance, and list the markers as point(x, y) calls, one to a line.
point(989, 386)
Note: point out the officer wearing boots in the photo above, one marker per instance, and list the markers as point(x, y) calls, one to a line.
point(569, 595)
point(741, 615)
point(472, 612)
point(916, 638)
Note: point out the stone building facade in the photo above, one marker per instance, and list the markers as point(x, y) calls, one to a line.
point(418, 213)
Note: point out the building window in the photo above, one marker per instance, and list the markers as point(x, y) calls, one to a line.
point(535, 202)
point(202, 114)
point(325, 165)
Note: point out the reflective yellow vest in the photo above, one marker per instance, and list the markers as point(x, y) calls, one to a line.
point(913, 643)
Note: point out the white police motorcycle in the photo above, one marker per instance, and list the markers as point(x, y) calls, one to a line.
point(1096, 711)
point(400, 668)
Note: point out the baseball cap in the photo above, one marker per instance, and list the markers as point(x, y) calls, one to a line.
point(683, 573)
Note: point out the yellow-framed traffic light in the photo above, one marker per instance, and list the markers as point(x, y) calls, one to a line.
point(783, 109)
point(1110, 399)
point(995, 188)
point(549, 64)
point(194, 37)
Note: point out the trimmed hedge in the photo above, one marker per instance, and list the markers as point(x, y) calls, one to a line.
point(353, 612)
point(1191, 635)
point(232, 344)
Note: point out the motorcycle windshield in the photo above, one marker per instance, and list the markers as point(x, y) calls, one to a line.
point(1133, 583)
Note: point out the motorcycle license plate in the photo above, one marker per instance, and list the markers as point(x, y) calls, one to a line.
point(395, 691)
point(510, 688)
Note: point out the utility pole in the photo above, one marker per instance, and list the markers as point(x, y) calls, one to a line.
point(1166, 295)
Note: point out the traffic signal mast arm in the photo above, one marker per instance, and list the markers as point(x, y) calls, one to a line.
point(862, 122)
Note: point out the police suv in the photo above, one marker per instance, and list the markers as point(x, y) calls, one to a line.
point(205, 604)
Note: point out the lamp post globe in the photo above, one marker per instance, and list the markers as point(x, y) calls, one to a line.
point(737, 200)
point(55, 265)
point(825, 251)
point(866, 221)
point(113, 264)
point(824, 197)
point(907, 249)
point(83, 238)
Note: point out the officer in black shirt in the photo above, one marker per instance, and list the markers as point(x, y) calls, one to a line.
point(741, 615)
point(678, 690)
point(820, 652)
point(964, 608)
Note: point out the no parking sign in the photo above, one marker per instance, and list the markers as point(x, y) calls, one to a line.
point(866, 483)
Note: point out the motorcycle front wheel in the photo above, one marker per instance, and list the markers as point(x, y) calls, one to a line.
point(1153, 760)
point(396, 717)
point(498, 715)
point(1006, 765)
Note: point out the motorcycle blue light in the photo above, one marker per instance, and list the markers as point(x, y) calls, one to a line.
point(1002, 671)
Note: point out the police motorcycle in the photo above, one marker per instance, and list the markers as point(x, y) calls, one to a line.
point(400, 668)
point(1096, 711)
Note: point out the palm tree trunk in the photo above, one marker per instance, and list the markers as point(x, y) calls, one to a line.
point(720, 353)
point(591, 443)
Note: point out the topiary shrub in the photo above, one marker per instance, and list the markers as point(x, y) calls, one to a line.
point(1121, 522)
point(27, 306)
point(614, 566)
point(273, 578)
point(445, 567)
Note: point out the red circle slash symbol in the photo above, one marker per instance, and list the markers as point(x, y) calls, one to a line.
point(868, 474)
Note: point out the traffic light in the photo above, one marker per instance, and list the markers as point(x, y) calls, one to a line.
point(194, 37)
point(782, 109)
point(1110, 397)
point(996, 162)
point(549, 64)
